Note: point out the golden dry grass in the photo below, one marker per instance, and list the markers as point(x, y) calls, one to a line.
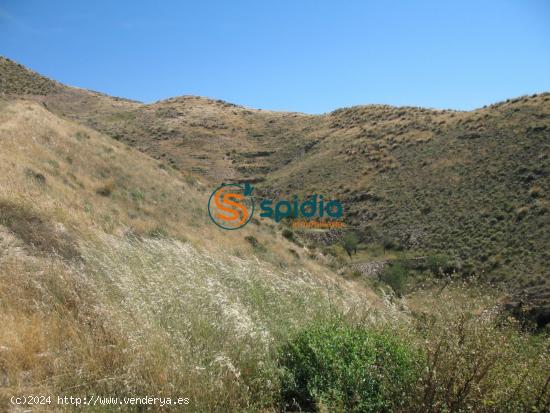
point(113, 281)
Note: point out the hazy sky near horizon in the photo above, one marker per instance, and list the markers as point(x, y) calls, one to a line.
point(307, 56)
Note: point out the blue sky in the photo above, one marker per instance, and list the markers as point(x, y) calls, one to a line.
point(308, 56)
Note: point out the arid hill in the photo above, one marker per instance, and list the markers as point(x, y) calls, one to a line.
point(472, 186)
point(113, 279)
point(115, 283)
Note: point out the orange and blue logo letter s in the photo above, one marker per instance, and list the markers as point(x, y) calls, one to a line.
point(231, 206)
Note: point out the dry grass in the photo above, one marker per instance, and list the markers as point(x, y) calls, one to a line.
point(133, 292)
point(424, 169)
point(477, 357)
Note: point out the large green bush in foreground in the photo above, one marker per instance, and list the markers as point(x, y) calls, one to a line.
point(345, 369)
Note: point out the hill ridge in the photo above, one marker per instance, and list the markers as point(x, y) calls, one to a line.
point(471, 184)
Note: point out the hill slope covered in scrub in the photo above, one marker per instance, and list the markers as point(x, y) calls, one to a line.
point(109, 269)
point(113, 281)
point(469, 185)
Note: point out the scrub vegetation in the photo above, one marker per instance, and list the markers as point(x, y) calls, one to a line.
point(114, 282)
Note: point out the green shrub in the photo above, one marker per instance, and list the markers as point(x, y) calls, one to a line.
point(256, 245)
point(158, 232)
point(395, 275)
point(81, 136)
point(37, 177)
point(288, 234)
point(345, 368)
point(190, 180)
point(387, 243)
point(441, 265)
point(350, 242)
point(137, 195)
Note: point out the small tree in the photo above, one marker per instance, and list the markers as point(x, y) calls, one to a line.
point(387, 243)
point(349, 243)
point(395, 275)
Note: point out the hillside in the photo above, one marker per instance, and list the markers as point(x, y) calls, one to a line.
point(114, 282)
point(109, 268)
point(470, 185)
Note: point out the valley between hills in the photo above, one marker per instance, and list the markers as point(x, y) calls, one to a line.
point(113, 279)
